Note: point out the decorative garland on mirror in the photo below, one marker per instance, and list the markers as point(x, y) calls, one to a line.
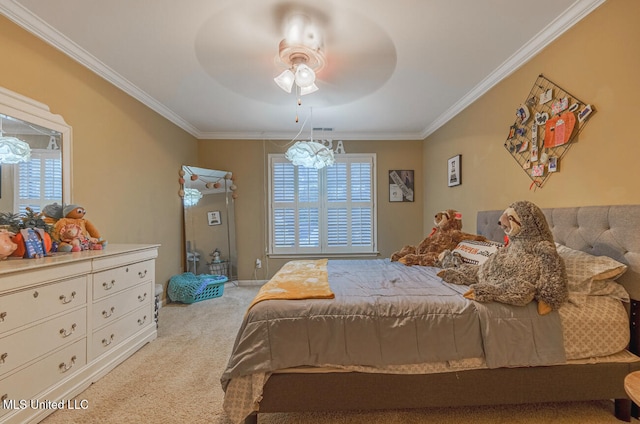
point(546, 125)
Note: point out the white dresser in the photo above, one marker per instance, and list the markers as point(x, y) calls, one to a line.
point(68, 319)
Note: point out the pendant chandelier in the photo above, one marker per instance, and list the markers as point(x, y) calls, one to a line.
point(13, 150)
point(310, 154)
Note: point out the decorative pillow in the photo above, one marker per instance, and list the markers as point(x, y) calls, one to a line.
point(591, 275)
point(600, 288)
point(476, 252)
point(610, 288)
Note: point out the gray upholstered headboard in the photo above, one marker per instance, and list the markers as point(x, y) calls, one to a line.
point(612, 231)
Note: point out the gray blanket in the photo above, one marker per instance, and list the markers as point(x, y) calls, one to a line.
point(385, 313)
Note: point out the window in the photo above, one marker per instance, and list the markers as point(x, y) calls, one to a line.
point(39, 181)
point(326, 211)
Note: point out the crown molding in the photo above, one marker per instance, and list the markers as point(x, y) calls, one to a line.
point(334, 135)
point(30, 22)
point(561, 24)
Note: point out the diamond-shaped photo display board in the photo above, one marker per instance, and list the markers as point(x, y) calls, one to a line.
point(547, 124)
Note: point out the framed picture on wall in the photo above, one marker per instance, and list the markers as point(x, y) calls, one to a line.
point(401, 186)
point(454, 171)
point(214, 218)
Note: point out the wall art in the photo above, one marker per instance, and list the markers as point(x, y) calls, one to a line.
point(546, 125)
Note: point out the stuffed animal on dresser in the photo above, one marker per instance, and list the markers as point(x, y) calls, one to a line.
point(66, 233)
point(52, 213)
point(446, 235)
point(528, 268)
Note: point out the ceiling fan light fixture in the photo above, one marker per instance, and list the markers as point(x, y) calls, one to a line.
point(308, 90)
point(285, 80)
point(305, 76)
point(301, 53)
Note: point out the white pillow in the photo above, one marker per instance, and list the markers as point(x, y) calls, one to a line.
point(476, 252)
point(590, 275)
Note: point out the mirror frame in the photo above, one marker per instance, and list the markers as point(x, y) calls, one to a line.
point(229, 217)
point(29, 110)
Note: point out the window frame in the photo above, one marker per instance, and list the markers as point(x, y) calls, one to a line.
point(37, 204)
point(323, 204)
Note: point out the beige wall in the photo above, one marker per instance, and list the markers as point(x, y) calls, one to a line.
point(398, 222)
point(126, 157)
point(598, 61)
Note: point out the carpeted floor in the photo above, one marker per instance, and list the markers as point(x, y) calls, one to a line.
point(176, 379)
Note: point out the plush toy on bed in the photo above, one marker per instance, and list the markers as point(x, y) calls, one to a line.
point(446, 235)
point(528, 268)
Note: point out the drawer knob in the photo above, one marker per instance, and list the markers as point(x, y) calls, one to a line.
point(3, 357)
point(64, 367)
point(4, 397)
point(108, 285)
point(143, 297)
point(142, 320)
point(107, 342)
point(108, 313)
point(64, 332)
point(3, 315)
point(142, 274)
point(64, 300)
point(35, 294)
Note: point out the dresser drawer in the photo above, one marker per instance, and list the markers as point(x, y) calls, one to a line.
point(118, 331)
point(33, 342)
point(25, 384)
point(113, 280)
point(27, 306)
point(111, 308)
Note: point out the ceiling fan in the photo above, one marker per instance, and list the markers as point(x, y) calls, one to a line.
point(350, 55)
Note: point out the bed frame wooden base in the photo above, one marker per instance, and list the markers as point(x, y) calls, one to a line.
point(362, 391)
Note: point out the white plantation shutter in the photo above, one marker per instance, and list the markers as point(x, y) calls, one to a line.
point(327, 211)
point(39, 181)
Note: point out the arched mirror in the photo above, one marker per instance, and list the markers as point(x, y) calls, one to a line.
point(45, 177)
point(209, 222)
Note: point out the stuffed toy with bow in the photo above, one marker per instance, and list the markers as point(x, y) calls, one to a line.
point(446, 235)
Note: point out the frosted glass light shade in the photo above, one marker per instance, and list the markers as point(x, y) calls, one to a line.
point(310, 154)
point(285, 80)
point(308, 90)
point(305, 77)
point(13, 150)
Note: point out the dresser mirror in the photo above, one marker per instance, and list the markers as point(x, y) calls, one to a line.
point(209, 222)
point(46, 177)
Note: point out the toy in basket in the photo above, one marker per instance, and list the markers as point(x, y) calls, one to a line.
point(190, 288)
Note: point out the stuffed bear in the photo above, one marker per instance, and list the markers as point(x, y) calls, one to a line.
point(528, 268)
point(446, 235)
point(89, 238)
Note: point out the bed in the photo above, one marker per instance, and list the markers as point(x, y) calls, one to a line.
point(277, 383)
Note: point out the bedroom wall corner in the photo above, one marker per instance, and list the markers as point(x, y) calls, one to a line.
point(592, 60)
